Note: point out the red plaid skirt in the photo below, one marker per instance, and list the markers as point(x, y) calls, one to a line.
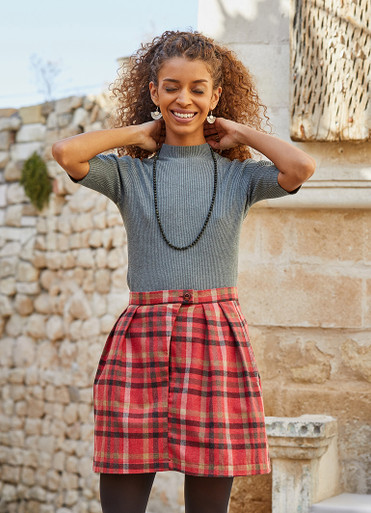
point(177, 388)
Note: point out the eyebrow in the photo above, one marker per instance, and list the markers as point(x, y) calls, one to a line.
point(178, 81)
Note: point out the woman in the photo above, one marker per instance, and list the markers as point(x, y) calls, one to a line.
point(177, 387)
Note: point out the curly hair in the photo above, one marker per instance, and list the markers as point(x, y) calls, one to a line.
point(239, 100)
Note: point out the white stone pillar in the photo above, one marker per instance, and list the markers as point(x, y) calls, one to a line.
point(301, 473)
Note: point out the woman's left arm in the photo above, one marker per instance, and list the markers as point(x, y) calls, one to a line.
point(294, 165)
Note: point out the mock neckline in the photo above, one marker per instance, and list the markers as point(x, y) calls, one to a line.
point(199, 150)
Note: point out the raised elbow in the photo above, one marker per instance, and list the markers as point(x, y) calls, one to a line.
point(307, 168)
point(59, 153)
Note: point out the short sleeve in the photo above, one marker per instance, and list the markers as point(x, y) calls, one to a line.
point(262, 182)
point(105, 175)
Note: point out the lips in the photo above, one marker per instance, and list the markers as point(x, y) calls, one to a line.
point(183, 115)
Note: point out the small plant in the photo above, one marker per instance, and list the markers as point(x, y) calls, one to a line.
point(35, 181)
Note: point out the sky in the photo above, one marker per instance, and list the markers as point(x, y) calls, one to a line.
point(81, 39)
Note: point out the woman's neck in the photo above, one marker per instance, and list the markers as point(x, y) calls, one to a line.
point(184, 140)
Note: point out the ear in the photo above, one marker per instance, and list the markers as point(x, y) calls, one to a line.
point(154, 92)
point(215, 97)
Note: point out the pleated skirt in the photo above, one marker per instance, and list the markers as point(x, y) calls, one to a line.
point(177, 388)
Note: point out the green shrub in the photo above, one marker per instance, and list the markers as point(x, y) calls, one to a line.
point(36, 182)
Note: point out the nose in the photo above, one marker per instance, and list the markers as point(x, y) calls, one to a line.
point(183, 98)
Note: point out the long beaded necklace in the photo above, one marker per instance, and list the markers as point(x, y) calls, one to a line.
point(182, 248)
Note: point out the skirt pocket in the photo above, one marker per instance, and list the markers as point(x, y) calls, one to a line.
point(239, 326)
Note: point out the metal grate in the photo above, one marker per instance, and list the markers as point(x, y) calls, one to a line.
point(331, 70)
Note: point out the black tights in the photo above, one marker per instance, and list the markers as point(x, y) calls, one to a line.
point(129, 493)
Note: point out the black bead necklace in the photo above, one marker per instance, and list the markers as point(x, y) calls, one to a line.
point(155, 158)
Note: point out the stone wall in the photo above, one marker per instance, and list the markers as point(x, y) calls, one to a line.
point(305, 263)
point(62, 286)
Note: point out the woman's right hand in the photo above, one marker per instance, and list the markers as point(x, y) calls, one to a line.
point(74, 153)
point(152, 135)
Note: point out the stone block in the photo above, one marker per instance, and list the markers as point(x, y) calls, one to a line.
point(114, 219)
point(79, 306)
point(26, 272)
point(358, 358)
point(3, 191)
point(17, 376)
point(91, 328)
point(31, 114)
point(5, 306)
point(54, 260)
point(341, 403)
point(28, 476)
point(119, 236)
point(336, 236)
point(115, 258)
point(30, 288)
point(68, 104)
point(85, 258)
point(367, 304)
point(6, 352)
point(31, 132)
point(52, 121)
point(9, 120)
point(16, 194)
point(64, 119)
point(99, 221)
point(35, 326)
point(35, 408)
point(119, 279)
point(10, 474)
point(80, 117)
point(9, 493)
point(75, 329)
point(306, 297)
point(54, 328)
point(12, 248)
point(24, 150)
point(4, 159)
point(47, 355)
point(15, 325)
point(13, 215)
point(6, 140)
point(42, 304)
point(116, 303)
point(95, 239)
point(23, 305)
point(101, 258)
point(98, 304)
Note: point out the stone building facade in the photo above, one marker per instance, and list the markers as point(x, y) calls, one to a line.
point(304, 283)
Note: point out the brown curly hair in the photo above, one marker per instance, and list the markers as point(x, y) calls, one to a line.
point(239, 100)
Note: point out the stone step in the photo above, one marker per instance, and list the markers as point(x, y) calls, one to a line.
point(344, 503)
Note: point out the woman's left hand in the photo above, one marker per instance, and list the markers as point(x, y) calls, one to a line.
point(222, 134)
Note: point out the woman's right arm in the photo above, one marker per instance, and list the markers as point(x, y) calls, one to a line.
point(74, 153)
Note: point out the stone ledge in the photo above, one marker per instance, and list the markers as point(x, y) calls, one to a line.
point(344, 503)
point(304, 437)
point(304, 461)
point(349, 187)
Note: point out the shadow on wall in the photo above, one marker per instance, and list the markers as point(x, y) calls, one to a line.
point(264, 22)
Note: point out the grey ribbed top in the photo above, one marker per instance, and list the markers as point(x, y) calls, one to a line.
point(185, 178)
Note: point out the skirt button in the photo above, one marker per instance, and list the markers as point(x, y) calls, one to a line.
point(187, 296)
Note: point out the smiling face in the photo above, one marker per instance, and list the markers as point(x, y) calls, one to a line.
point(185, 95)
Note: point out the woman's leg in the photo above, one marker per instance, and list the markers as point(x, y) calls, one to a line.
point(204, 494)
point(125, 493)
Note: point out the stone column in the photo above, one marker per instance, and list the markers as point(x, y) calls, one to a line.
point(301, 473)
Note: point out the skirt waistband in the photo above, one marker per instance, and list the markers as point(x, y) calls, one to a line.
point(186, 296)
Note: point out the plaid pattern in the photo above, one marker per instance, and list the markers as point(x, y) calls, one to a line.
point(177, 388)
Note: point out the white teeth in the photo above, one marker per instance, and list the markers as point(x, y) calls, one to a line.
point(180, 115)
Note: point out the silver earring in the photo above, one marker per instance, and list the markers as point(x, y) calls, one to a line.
point(156, 114)
point(210, 118)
